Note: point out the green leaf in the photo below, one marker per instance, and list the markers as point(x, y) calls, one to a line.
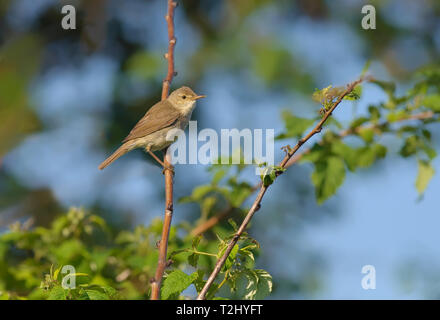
point(265, 283)
point(96, 295)
point(380, 150)
point(358, 122)
point(410, 146)
point(327, 96)
point(57, 293)
point(366, 156)
point(374, 113)
point(316, 153)
point(426, 134)
point(328, 177)
point(367, 134)
point(143, 65)
point(252, 285)
point(432, 102)
point(212, 291)
point(196, 241)
point(239, 194)
point(267, 180)
point(207, 204)
point(199, 282)
point(51, 272)
point(231, 258)
point(333, 122)
point(4, 296)
point(345, 152)
point(69, 250)
point(233, 224)
point(295, 126)
point(200, 191)
point(175, 283)
point(248, 257)
point(358, 158)
point(218, 176)
point(270, 61)
point(413, 144)
point(268, 176)
point(355, 94)
point(430, 152)
point(425, 174)
point(259, 284)
point(78, 274)
point(397, 116)
point(365, 68)
point(193, 259)
point(111, 292)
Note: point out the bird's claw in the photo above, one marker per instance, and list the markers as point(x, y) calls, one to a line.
point(165, 168)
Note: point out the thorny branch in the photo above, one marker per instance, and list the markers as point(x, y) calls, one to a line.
point(163, 244)
point(419, 116)
point(214, 220)
point(257, 203)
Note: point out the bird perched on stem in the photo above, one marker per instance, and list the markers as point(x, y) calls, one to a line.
point(151, 131)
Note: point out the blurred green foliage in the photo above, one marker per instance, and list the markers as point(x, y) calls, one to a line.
point(407, 117)
point(108, 265)
point(119, 264)
point(17, 69)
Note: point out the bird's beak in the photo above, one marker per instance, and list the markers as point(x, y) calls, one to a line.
point(198, 97)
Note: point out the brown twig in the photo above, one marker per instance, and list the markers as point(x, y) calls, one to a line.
point(171, 44)
point(257, 203)
point(418, 116)
point(163, 245)
point(214, 220)
point(211, 222)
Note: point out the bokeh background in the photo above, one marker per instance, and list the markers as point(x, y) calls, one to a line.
point(68, 97)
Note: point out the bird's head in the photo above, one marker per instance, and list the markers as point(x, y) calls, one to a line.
point(184, 98)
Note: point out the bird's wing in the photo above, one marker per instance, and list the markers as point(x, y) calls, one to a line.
point(160, 116)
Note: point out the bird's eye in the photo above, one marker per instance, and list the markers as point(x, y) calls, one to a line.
point(184, 97)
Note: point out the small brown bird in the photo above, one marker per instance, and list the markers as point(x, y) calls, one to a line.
point(151, 131)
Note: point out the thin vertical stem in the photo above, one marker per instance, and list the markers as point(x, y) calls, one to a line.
point(163, 244)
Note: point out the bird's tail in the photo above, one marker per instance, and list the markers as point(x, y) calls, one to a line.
point(118, 153)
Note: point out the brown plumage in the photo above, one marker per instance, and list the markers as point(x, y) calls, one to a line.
point(150, 132)
point(160, 116)
point(115, 155)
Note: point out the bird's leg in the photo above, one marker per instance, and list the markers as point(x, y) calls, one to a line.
point(167, 167)
point(160, 161)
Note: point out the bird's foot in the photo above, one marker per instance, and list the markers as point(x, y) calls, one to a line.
point(165, 168)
